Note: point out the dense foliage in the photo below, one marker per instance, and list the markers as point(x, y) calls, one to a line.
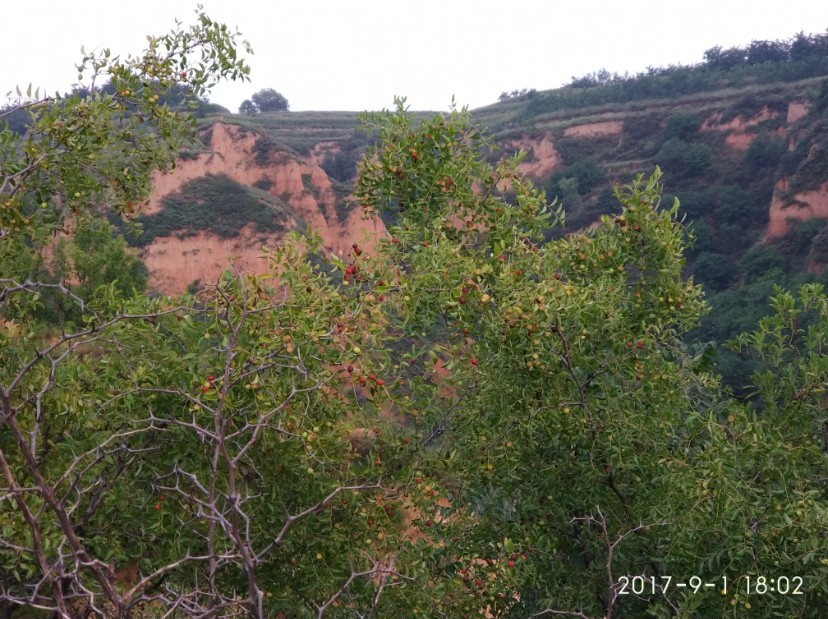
point(266, 100)
point(802, 57)
point(467, 418)
point(216, 203)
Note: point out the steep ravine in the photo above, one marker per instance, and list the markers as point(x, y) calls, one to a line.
point(174, 263)
point(178, 260)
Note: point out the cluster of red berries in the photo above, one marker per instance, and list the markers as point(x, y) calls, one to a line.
point(352, 269)
point(463, 299)
point(622, 221)
point(364, 381)
point(208, 384)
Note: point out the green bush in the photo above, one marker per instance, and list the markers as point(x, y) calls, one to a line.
point(671, 156)
point(700, 203)
point(188, 155)
point(268, 100)
point(763, 155)
point(729, 68)
point(589, 174)
point(819, 248)
point(737, 207)
point(341, 166)
point(698, 160)
point(715, 271)
point(16, 119)
point(681, 125)
point(762, 262)
point(795, 245)
point(213, 203)
point(263, 147)
point(641, 131)
point(704, 237)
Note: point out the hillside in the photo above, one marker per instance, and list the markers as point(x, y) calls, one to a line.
point(471, 410)
point(275, 190)
point(747, 162)
point(727, 133)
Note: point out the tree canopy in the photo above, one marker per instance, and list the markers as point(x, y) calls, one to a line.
point(265, 100)
point(249, 108)
point(465, 419)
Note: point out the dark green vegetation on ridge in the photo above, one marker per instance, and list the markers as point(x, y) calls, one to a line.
point(215, 203)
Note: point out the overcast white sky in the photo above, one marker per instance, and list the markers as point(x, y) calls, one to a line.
point(357, 54)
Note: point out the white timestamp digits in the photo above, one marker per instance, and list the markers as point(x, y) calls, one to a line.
point(753, 585)
point(652, 585)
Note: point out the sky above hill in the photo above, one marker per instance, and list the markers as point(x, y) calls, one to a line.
point(358, 54)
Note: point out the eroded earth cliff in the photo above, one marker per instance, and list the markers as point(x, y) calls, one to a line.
point(183, 257)
point(309, 197)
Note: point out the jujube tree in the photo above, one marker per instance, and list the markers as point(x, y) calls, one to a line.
point(464, 418)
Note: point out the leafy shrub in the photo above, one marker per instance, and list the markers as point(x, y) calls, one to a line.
point(341, 166)
point(790, 161)
point(819, 248)
point(213, 203)
point(262, 149)
point(700, 203)
point(268, 100)
point(747, 106)
point(206, 108)
point(821, 99)
point(576, 180)
point(671, 156)
point(795, 245)
point(763, 155)
point(698, 159)
point(762, 262)
point(248, 108)
point(641, 131)
point(736, 206)
point(704, 237)
point(714, 271)
point(343, 210)
point(573, 149)
point(736, 238)
point(681, 125)
point(589, 175)
point(812, 172)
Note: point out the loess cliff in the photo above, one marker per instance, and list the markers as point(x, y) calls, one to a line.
point(185, 257)
point(301, 165)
